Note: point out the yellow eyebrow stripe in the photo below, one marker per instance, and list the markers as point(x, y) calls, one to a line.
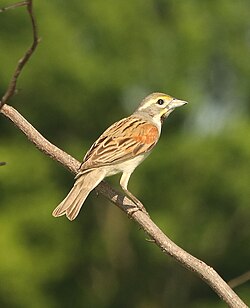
point(150, 102)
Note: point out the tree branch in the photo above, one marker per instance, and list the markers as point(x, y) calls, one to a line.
point(233, 283)
point(13, 6)
point(205, 272)
point(21, 63)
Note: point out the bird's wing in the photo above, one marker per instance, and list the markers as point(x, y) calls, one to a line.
point(123, 140)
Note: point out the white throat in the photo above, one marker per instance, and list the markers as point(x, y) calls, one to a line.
point(157, 121)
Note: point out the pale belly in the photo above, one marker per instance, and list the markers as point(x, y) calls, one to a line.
point(126, 166)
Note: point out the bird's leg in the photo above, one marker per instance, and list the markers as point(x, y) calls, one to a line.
point(124, 184)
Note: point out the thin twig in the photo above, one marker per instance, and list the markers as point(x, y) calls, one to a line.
point(233, 283)
point(13, 6)
point(21, 63)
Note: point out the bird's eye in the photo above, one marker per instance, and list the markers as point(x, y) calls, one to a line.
point(160, 101)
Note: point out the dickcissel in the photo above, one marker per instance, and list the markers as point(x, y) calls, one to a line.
point(121, 148)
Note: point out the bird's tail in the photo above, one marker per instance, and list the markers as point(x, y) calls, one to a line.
point(73, 202)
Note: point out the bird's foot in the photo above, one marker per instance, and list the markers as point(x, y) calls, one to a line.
point(138, 207)
point(141, 207)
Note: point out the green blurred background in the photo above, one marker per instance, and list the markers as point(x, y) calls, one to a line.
point(96, 61)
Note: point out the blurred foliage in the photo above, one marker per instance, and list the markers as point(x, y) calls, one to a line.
point(96, 60)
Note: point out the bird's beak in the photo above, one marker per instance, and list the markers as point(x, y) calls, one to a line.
point(176, 103)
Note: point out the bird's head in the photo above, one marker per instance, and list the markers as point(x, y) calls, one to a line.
point(158, 106)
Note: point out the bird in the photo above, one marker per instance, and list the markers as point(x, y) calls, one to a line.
point(120, 149)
